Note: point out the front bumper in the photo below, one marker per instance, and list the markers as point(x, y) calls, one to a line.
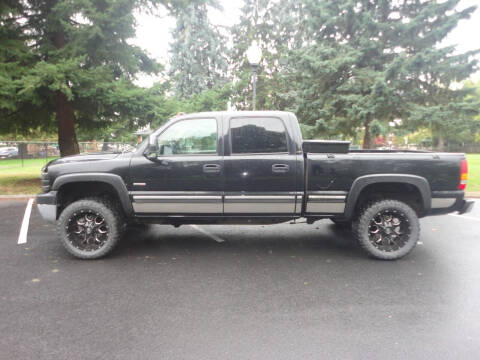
point(47, 206)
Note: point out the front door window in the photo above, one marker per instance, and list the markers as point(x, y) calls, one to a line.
point(188, 137)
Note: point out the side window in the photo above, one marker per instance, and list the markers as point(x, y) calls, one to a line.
point(193, 136)
point(257, 135)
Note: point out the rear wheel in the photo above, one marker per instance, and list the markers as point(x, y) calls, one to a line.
point(89, 228)
point(387, 229)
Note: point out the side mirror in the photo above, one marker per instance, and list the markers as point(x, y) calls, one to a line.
point(151, 152)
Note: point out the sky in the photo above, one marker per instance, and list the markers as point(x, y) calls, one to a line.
point(154, 32)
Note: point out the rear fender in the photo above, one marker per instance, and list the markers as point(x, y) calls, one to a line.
point(363, 181)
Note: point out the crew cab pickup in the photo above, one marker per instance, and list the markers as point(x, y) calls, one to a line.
point(249, 168)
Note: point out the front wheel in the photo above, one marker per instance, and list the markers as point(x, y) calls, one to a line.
point(89, 228)
point(387, 229)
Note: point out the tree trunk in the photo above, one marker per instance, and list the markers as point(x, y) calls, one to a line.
point(105, 143)
point(67, 140)
point(367, 138)
point(441, 142)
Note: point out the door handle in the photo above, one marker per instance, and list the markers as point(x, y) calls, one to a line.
point(211, 168)
point(280, 168)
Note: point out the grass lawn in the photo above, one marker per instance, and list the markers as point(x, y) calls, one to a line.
point(15, 179)
point(473, 183)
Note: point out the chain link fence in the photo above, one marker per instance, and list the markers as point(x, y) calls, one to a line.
point(25, 153)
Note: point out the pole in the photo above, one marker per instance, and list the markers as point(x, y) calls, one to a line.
point(254, 70)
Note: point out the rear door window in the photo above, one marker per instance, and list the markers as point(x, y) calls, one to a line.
point(258, 135)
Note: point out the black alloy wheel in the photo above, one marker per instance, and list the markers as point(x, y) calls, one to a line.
point(387, 229)
point(87, 230)
point(90, 228)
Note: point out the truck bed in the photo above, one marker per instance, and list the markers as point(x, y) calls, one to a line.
point(336, 172)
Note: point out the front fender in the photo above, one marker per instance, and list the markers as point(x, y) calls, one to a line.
point(114, 180)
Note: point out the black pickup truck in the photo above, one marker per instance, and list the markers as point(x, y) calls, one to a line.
point(249, 168)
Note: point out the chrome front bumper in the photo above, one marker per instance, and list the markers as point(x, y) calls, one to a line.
point(47, 206)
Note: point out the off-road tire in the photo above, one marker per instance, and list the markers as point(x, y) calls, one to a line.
point(112, 216)
point(361, 228)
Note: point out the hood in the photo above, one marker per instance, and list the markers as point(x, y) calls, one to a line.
point(84, 157)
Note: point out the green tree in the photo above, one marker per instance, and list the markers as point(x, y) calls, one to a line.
point(68, 62)
point(451, 120)
point(278, 29)
point(367, 61)
point(215, 99)
point(198, 53)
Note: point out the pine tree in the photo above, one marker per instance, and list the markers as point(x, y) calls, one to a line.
point(198, 53)
point(278, 29)
point(369, 62)
point(69, 62)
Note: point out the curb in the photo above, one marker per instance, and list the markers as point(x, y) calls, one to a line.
point(17, 197)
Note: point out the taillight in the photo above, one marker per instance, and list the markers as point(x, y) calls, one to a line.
point(463, 175)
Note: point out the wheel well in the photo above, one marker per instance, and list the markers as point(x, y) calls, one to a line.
point(404, 192)
point(70, 192)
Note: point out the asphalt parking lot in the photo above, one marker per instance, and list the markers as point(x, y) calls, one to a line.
point(240, 292)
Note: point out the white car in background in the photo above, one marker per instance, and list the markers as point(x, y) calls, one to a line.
point(8, 152)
